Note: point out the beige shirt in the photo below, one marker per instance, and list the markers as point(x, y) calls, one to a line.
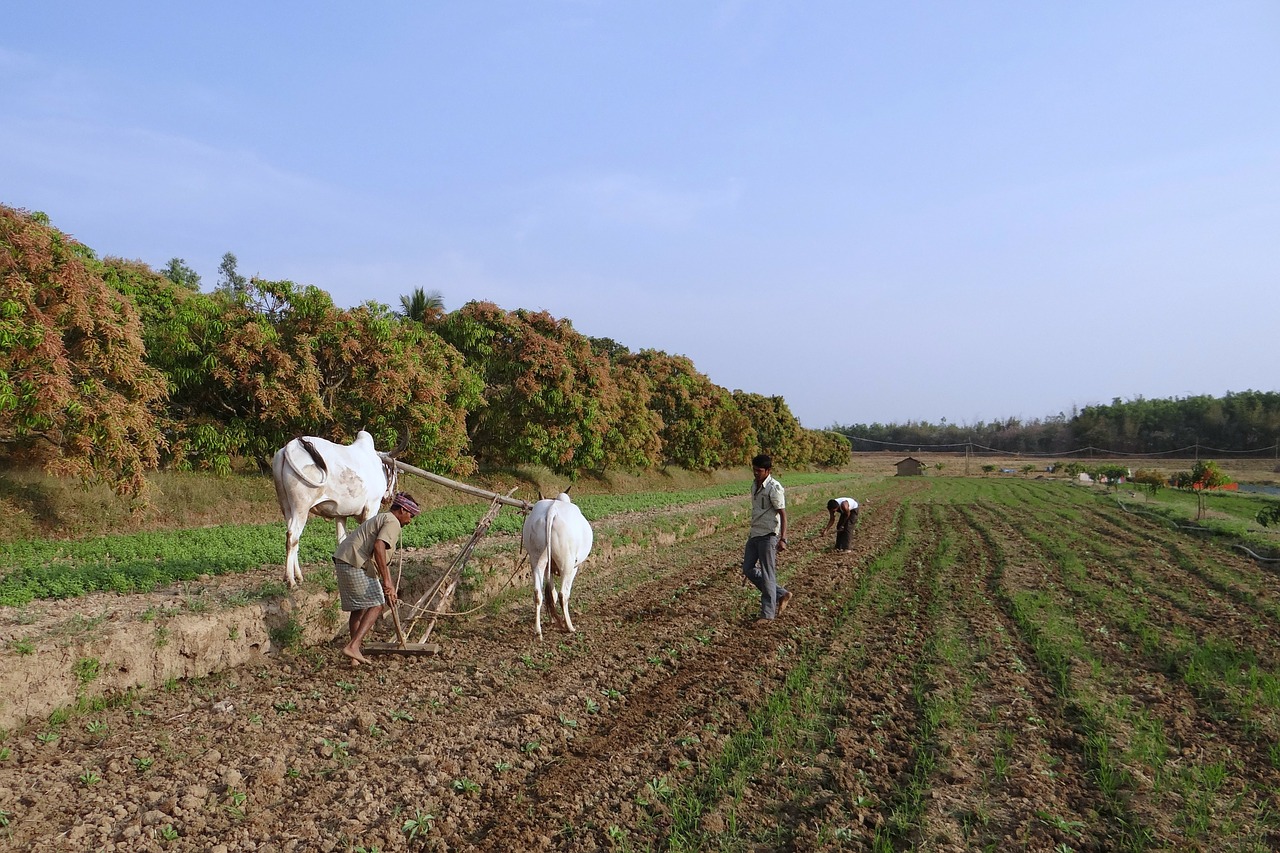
point(357, 549)
point(765, 503)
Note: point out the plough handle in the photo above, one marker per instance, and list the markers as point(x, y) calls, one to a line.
point(524, 506)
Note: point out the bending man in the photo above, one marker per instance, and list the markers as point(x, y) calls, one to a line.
point(848, 511)
point(363, 566)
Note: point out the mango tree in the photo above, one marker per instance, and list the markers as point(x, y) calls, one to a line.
point(76, 394)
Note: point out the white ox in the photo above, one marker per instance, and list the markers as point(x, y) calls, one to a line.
point(558, 539)
point(337, 481)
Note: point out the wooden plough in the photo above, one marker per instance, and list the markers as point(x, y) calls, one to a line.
point(442, 592)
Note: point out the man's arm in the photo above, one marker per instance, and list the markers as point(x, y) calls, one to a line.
point(384, 570)
point(831, 519)
point(782, 535)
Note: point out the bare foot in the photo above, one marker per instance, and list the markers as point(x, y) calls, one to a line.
point(356, 657)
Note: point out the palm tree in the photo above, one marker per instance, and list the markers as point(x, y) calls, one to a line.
point(422, 306)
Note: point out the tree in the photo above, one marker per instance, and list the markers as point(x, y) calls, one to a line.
point(421, 306)
point(76, 394)
point(179, 273)
point(702, 428)
point(778, 433)
point(229, 279)
point(1204, 475)
point(549, 399)
point(1269, 516)
point(1113, 474)
point(1152, 480)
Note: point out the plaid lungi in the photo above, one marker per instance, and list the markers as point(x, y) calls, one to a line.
point(357, 590)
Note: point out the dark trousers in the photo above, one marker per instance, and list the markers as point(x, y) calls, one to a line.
point(844, 531)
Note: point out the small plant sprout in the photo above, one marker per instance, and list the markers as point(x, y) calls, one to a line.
point(502, 766)
point(96, 727)
point(168, 833)
point(568, 722)
point(335, 748)
point(466, 786)
point(591, 705)
point(143, 764)
point(656, 790)
point(235, 804)
point(418, 825)
point(88, 778)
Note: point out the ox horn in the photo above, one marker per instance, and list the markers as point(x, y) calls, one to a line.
point(401, 446)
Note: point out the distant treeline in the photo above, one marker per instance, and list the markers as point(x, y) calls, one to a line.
point(1240, 422)
point(109, 369)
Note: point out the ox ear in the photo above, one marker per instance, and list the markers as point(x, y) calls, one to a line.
point(568, 488)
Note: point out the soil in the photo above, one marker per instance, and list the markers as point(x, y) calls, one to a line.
point(574, 743)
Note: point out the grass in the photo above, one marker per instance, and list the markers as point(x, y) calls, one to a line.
point(39, 568)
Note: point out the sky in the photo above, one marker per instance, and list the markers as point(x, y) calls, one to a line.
point(881, 211)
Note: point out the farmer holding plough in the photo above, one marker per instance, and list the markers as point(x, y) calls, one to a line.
point(364, 570)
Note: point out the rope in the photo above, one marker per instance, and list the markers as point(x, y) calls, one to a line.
point(424, 610)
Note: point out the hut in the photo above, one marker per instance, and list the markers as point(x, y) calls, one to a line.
point(909, 467)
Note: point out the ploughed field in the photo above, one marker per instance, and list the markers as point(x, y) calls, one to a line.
point(996, 665)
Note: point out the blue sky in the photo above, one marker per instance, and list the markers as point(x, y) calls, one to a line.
point(880, 211)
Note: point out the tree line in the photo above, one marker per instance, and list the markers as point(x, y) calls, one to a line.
point(1237, 422)
point(110, 369)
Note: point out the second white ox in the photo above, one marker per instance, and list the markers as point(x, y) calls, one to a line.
point(337, 481)
point(558, 539)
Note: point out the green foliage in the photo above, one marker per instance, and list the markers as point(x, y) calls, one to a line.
point(1269, 516)
point(287, 635)
point(250, 367)
point(230, 281)
point(422, 306)
point(180, 274)
point(1247, 420)
point(1153, 481)
point(1111, 473)
point(86, 670)
point(1202, 477)
point(778, 433)
point(419, 825)
point(702, 427)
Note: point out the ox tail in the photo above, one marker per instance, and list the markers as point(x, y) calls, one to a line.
point(313, 453)
point(552, 568)
point(301, 457)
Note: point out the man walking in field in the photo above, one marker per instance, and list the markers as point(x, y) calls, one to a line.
point(767, 536)
point(363, 566)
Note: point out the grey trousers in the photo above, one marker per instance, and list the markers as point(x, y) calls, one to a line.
point(760, 566)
